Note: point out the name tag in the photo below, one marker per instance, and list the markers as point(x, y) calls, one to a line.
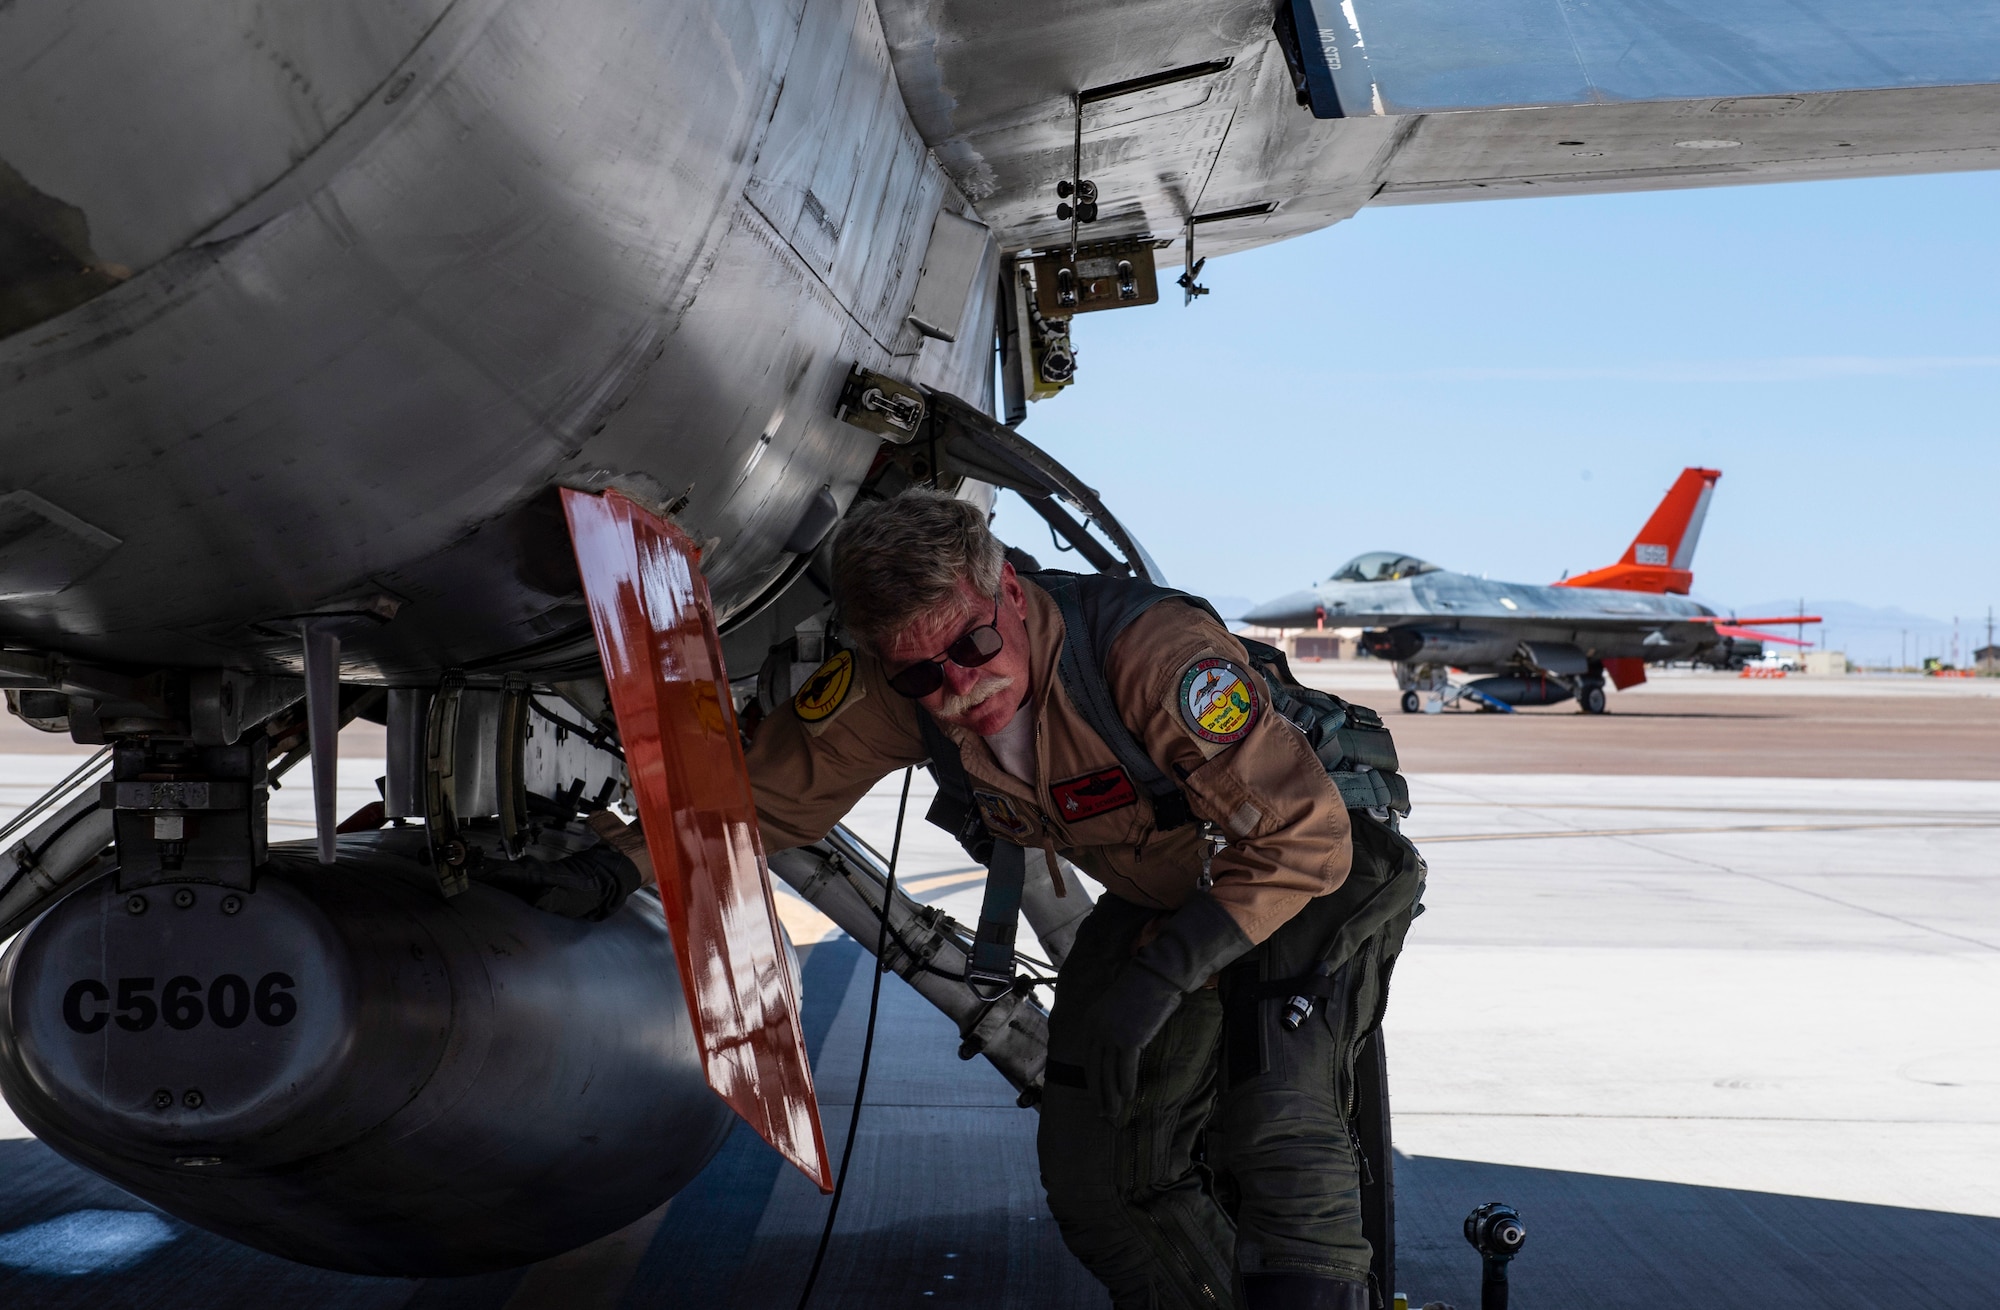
point(1093, 794)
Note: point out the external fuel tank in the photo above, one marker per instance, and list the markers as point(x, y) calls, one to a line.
point(346, 1069)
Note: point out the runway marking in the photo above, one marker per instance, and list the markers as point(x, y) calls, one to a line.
point(1769, 881)
point(1670, 832)
point(929, 881)
point(947, 888)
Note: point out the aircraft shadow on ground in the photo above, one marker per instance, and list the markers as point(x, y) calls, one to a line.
point(1595, 1242)
point(1609, 1243)
point(116, 1251)
point(70, 1239)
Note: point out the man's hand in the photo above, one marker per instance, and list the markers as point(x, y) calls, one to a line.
point(1198, 941)
point(628, 839)
point(1126, 1018)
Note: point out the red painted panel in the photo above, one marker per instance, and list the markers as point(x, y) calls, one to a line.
point(1751, 634)
point(1626, 671)
point(1776, 618)
point(656, 635)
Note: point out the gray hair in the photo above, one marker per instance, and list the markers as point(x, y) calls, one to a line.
point(895, 559)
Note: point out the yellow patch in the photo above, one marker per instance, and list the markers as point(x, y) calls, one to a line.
point(1218, 702)
point(826, 690)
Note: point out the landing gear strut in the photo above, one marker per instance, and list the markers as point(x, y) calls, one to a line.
point(1427, 688)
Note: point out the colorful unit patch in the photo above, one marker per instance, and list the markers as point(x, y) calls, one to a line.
point(826, 690)
point(1003, 817)
point(1218, 700)
point(1093, 794)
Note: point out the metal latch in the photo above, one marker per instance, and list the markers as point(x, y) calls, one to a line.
point(881, 404)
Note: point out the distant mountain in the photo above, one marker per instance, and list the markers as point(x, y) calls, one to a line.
point(1873, 635)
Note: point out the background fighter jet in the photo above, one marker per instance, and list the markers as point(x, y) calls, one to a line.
point(1544, 644)
point(497, 370)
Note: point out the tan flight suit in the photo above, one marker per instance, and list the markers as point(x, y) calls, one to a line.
point(1132, 1200)
point(1286, 824)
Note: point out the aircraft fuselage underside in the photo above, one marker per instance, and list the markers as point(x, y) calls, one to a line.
point(633, 246)
point(286, 450)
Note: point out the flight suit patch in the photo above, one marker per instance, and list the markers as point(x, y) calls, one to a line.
point(831, 688)
point(1093, 794)
point(1003, 817)
point(1217, 701)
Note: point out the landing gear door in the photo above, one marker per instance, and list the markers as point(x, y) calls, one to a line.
point(663, 661)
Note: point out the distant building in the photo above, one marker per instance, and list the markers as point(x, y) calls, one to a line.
point(1322, 646)
point(1823, 662)
point(1308, 644)
point(1987, 659)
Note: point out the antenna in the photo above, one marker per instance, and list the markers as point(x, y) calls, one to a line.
point(1191, 268)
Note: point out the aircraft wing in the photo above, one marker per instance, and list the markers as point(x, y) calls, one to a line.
point(1198, 116)
point(1443, 598)
point(1753, 634)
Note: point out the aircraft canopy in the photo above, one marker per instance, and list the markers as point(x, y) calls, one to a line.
point(1382, 566)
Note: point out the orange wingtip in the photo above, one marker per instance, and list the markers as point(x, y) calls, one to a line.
point(663, 660)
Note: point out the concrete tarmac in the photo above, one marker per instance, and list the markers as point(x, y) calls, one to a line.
point(1721, 1033)
point(1703, 723)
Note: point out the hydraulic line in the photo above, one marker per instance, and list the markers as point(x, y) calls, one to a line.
point(867, 1048)
point(847, 882)
point(85, 774)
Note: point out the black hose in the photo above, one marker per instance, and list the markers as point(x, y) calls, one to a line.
point(867, 1048)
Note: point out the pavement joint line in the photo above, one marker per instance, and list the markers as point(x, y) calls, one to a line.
point(1423, 840)
point(1688, 858)
point(1698, 1118)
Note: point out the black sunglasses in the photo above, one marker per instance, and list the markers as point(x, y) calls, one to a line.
point(968, 652)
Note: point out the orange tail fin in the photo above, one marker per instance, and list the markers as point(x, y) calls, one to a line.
point(1661, 558)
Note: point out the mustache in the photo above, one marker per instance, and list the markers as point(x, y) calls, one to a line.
point(963, 703)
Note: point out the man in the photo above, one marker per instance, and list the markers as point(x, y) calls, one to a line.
point(1141, 1074)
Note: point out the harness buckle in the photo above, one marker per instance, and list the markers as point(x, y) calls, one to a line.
point(1212, 841)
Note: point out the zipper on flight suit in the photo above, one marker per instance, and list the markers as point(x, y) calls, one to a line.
point(1131, 1188)
point(1350, 1048)
point(1188, 1273)
point(1362, 1167)
point(1049, 820)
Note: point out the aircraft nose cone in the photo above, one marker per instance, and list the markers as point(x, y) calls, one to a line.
point(1289, 611)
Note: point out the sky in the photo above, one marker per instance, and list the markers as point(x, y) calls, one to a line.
point(1509, 387)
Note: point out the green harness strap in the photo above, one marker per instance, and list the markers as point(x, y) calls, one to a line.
point(1350, 741)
